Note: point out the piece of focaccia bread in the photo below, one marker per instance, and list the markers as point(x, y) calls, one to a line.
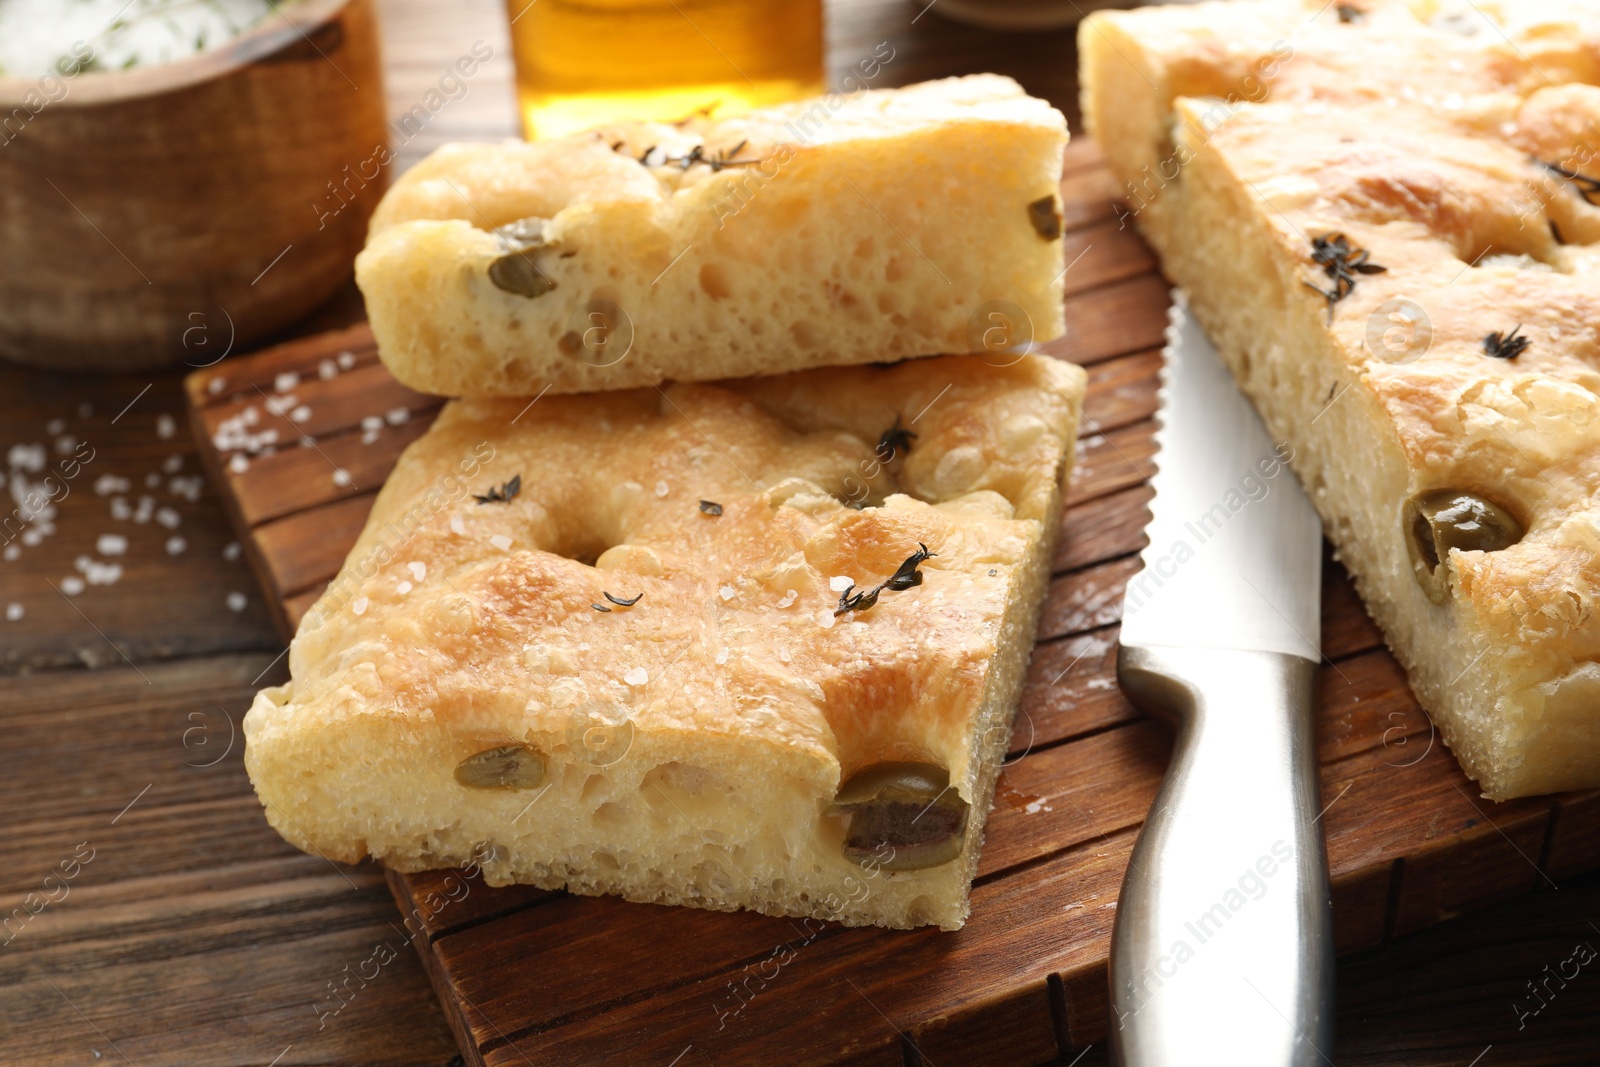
point(1384, 214)
point(846, 229)
point(752, 644)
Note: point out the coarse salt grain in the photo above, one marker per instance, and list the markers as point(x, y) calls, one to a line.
point(13, 611)
point(176, 545)
point(237, 601)
point(300, 414)
point(72, 585)
point(347, 360)
point(97, 573)
point(359, 605)
point(418, 569)
point(285, 382)
point(371, 423)
point(107, 484)
point(341, 478)
point(327, 369)
point(11, 552)
point(500, 541)
point(238, 464)
point(404, 588)
point(168, 518)
point(172, 464)
point(457, 527)
point(788, 598)
point(722, 655)
point(826, 619)
point(839, 583)
point(28, 457)
point(165, 426)
point(216, 385)
point(637, 676)
point(396, 416)
point(152, 480)
point(727, 592)
point(111, 545)
point(120, 509)
point(55, 426)
point(662, 489)
point(231, 550)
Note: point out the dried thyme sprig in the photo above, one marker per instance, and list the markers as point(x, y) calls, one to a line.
point(907, 576)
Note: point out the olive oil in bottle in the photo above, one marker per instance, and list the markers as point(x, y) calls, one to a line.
point(581, 63)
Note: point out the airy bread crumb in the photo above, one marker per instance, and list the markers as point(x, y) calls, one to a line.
point(645, 600)
point(842, 230)
point(1243, 135)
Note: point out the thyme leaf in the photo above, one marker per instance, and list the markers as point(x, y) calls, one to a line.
point(1507, 346)
point(904, 578)
point(501, 494)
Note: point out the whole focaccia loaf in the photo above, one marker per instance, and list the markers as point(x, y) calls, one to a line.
point(846, 229)
point(1387, 216)
point(749, 644)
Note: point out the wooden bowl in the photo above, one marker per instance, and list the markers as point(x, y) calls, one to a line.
point(167, 214)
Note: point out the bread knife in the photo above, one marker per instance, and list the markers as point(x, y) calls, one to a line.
point(1222, 946)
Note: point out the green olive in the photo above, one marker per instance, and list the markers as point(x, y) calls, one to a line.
point(517, 270)
point(503, 767)
point(1443, 519)
point(903, 816)
point(1046, 217)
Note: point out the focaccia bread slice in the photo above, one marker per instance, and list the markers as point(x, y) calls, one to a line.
point(1385, 215)
point(749, 644)
point(840, 230)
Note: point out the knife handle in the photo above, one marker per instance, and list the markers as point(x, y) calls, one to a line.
point(1222, 951)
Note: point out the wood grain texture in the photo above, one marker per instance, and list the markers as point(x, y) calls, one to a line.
point(197, 937)
point(154, 215)
point(186, 930)
point(113, 460)
point(1409, 843)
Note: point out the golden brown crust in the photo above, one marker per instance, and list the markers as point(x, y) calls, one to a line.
point(1436, 151)
point(617, 479)
point(459, 625)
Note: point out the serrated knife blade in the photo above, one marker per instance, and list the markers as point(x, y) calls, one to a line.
point(1222, 945)
point(1235, 552)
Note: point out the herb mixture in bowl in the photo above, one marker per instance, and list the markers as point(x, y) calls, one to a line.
point(39, 37)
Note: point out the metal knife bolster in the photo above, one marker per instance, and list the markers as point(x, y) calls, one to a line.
point(1222, 947)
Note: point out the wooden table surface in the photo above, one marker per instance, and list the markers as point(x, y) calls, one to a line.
point(149, 914)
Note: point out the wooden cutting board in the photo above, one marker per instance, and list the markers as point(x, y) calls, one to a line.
point(298, 440)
